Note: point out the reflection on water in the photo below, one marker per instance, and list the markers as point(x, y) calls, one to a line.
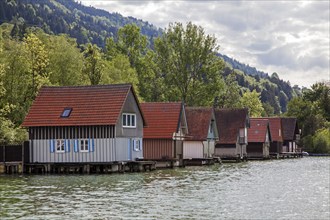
point(281, 189)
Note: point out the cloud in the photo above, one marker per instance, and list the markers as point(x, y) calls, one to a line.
point(287, 37)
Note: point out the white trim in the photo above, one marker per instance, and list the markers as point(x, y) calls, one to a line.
point(129, 117)
point(83, 143)
point(60, 146)
point(137, 145)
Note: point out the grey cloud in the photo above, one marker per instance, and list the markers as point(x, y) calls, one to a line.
point(282, 56)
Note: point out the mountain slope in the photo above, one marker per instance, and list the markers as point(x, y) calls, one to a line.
point(86, 24)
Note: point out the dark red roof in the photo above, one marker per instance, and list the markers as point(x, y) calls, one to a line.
point(198, 120)
point(258, 130)
point(162, 119)
point(229, 121)
point(290, 128)
point(275, 126)
point(91, 105)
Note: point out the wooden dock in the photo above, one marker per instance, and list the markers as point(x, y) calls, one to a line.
point(14, 167)
point(89, 168)
point(198, 161)
point(286, 155)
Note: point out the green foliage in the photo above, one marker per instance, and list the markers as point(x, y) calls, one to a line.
point(93, 64)
point(230, 94)
point(251, 100)
point(320, 96)
point(186, 57)
point(119, 71)
point(312, 111)
point(37, 61)
point(65, 60)
point(129, 42)
point(268, 110)
point(321, 141)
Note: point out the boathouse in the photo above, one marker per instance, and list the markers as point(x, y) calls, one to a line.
point(291, 134)
point(259, 139)
point(232, 126)
point(85, 124)
point(275, 125)
point(203, 133)
point(165, 132)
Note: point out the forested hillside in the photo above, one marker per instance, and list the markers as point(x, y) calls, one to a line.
point(48, 42)
point(86, 24)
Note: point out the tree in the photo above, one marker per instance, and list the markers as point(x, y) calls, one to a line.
point(65, 60)
point(312, 112)
point(129, 42)
point(321, 141)
point(133, 45)
point(93, 65)
point(119, 71)
point(230, 95)
point(319, 95)
point(251, 100)
point(186, 57)
point(38, 61)
point(8, 132)
point(268, 110)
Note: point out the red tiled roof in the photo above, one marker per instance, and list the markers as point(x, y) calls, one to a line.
point(258, 130)
point(290, 128)
point(91, 105)
point(229, 121)
point(275, 126)
point(198, 120)
point(162, 119)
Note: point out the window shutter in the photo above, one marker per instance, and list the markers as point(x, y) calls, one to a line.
point(140, 144)
point(67, 145)
point(52, 147)
point(76, 147)
point(91, 145)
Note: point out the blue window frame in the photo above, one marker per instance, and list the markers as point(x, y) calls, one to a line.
point(66, 112)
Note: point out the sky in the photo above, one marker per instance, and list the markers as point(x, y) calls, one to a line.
point(290, 38)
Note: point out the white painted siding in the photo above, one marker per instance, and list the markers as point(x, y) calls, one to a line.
point(105, 150)
point(192, 149)
point(208, 149)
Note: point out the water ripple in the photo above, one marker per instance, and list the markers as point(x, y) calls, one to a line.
point(281, 189)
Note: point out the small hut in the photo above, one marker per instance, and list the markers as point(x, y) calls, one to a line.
point(165, 133)
point(202, 134)
point(259, 139)
point(232, 126)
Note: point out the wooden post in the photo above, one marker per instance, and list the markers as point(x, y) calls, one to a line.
point(23, 157)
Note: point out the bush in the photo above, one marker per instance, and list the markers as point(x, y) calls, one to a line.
point(321, 141)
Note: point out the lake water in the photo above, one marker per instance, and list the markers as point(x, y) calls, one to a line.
point(277, 189)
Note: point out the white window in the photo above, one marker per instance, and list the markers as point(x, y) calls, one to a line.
point(60, 146)
point(129, 120)
point(84, 145)
point(137, 145)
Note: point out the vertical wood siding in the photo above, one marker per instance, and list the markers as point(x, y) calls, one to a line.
point(155, 149)
point(105, 150)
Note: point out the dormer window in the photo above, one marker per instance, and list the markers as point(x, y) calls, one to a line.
point(66, 112)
